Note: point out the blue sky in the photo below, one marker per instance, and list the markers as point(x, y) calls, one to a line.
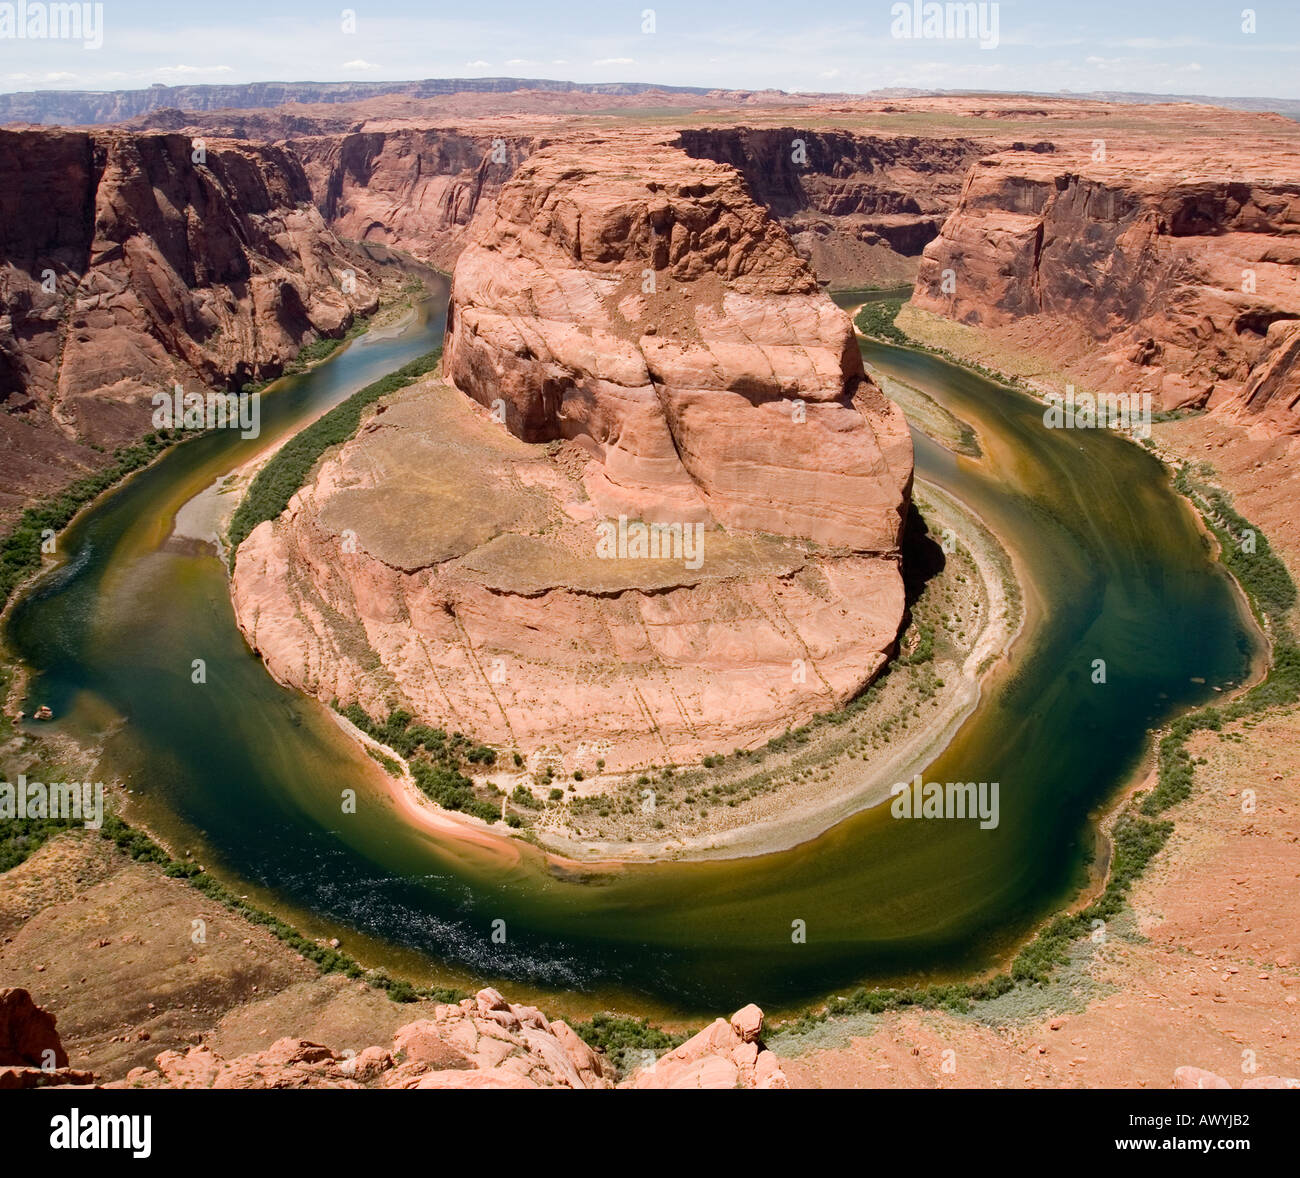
point(1190, 47)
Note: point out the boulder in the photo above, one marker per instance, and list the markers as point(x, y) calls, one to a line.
point(1193, 1077)
point(27, 1033)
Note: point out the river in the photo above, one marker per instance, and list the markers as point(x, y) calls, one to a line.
point(247, 776)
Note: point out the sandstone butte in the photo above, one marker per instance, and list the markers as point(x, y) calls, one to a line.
point(635, 311)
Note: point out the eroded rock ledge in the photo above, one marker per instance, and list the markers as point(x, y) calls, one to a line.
point(482, 1042)
point(655, 349)
point(1170, 271)
point(130, 262)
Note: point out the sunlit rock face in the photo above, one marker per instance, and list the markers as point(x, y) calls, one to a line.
point(130, 262)
point(1172, 271)
point(631, 341)
point(642, 304)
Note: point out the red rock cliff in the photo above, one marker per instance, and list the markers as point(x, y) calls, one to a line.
point(162, 270)
point(661, 318)
point(449, 562)
point(413, 188)
point(1174, 272)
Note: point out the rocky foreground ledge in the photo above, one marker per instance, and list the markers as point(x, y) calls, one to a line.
point(482, 1042)
point(479, 1042)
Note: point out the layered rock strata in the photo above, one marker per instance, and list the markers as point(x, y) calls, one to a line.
point(860, 207)
point(632, 341)
point(131, 262)
point(415, 189)
point(1173, 272)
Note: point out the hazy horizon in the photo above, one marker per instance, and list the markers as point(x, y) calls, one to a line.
point(1013, 46)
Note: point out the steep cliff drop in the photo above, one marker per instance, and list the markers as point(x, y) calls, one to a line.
point(859, 207)
point(130, 262)
point(1168, 271)
point(632, 342)
point(414, 188)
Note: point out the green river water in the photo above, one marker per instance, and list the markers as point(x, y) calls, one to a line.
point(248, 775)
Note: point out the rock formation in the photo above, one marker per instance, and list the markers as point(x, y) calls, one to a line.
point(658, 353)
point(726, 1054)
point(31, 1055)
point(218, 272)
point(1194, 1077)
point(1174, 272)
point(860, 207)
point(482, 1042)
point(413, 188)
point(659, 316)
point(126, 266)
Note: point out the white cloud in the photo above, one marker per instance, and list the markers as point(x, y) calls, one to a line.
point(360, 64)
point(478, 65)
point(614, 61)
point(1160, 42)
point(193, 69)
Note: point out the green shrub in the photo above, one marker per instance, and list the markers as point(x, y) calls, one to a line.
point(522, 796)
point(624, 1039)
point(437, 761)
point(876, 319)
point(20, 551)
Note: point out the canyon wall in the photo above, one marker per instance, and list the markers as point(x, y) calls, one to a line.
point(125, 266)
point(1174, 272)
point(861, 207)
point(414, 189)
point(630, 335)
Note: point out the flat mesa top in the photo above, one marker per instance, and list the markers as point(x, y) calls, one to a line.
point(431, 480)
